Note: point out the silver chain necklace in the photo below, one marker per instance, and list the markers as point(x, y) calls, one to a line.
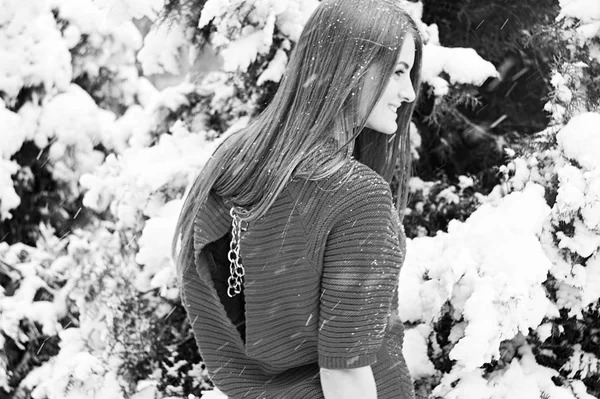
point(236, 269)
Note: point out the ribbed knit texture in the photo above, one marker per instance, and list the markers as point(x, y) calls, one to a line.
point(320, 288)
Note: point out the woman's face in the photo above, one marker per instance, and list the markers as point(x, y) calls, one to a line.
point(399, 90)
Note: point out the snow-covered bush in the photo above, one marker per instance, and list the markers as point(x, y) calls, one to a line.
point(49, 51)
point(506, 303)
point(105, 336)
point(567, 156)
point(432, 205)
point(70, 94)
point(59, 281)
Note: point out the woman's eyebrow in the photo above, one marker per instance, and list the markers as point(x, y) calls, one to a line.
point(402, 63)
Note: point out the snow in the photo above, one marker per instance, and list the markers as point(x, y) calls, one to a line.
point(87, 361)
point(417, 184)
point(82, 14)
point(584, 363)
point(429, 33)
point(146, 391)
point(162, 50)
point(73, 370)
point(240, 46)
point(584, 15)
point(240, 53)
point(72, 117)
point(155, 252)
point(465, 182)
point(514, 383)
point(584, 242)
point(294, 16)
point(584, 10)
point(172, 97)
point(124, 10)
point(32, 51)
point(12, 136)
point(463, 66)
point(580, 140)
point(594, 52)
point(73, 121)
point(470, 267)
point(127, 36)
point(8, 196)
point(415, 141)
point(414, 350)
point(210, 11)
point(577, 203)
point(591, 210)
point(468, 385)
point(291, 14)
point(591, 278)
point(140, 172)
point(524, 378)
point(214, 394)
point(543, 377)
point(448, 195)
point(138, 185)
point(275, 70)
point(148, 94)
point(544, 331)
point(21, 305)
point(40, 57)
point(571, 192)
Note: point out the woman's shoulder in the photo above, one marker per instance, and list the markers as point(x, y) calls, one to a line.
point(352, 184)
point(358, 179)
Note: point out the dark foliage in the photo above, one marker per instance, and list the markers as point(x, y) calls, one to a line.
point(38, 348)
point(556, 351)
point(43, 200)
point(469, 136)
point(511, 34)
point(99, 89)
point(430, 214)
point(442, 331)
point(593, 85)
point(157, 343)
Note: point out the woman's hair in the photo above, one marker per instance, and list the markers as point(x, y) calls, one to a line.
point(316, 104)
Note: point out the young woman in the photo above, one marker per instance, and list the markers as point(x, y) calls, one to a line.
point(288, 245)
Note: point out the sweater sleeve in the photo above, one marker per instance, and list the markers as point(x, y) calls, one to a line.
point(361, 264)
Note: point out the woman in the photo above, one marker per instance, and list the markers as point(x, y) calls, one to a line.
point(289, 247)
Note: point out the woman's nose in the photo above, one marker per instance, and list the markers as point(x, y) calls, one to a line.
point(407, 92)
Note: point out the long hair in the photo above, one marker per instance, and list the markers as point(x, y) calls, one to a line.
point(316, 103)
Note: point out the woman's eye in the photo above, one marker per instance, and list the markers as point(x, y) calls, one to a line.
point(400, 72)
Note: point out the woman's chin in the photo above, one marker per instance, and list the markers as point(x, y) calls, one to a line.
point(388, 130)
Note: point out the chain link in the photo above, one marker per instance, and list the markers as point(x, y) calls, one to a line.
point(236, 269)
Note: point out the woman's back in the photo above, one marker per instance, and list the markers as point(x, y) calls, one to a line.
point(321, 268)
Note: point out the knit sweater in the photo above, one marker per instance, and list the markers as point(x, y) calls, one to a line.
point(320, 290)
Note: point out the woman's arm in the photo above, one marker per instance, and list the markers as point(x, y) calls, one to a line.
point(357, 383)
point(358, 278)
